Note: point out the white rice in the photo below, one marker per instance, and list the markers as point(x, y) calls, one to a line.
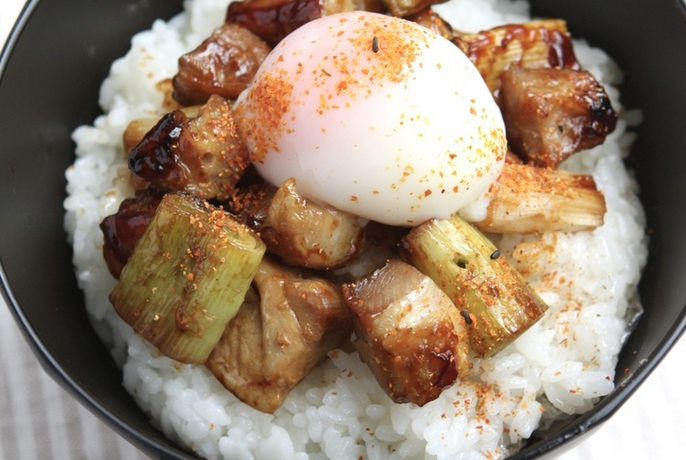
point(563, 365)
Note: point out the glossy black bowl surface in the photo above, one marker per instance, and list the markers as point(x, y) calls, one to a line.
point(51, 71)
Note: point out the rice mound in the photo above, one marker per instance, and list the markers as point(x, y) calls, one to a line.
point(561, 366)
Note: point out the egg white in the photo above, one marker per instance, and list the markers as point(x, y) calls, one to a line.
point(376, 116)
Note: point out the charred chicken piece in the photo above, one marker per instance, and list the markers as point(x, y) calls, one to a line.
point(534, 44)
point(309, 234)
point(223, 64)
point(251, 204)
point(122, 230)
point(379, 244)
point(512, 158)
point(550, 114)
point(432, 21)
point(404, 8)
point(196, 149)
point(272, 20)
point(299, 231)
point(527, 199)
point(285, 327)
point(133, 134)
point(408, 332)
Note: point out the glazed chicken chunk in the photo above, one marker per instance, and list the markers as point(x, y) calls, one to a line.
point(223, 64)
point(551, 113)
point(301, 232)
point(121, 231)
point(404, 8)
point(272, 20)
point(408, 332)
point(431, 20)
point(285, 327)
point(195, 149)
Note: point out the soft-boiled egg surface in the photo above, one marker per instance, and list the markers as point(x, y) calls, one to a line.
point(376, 116)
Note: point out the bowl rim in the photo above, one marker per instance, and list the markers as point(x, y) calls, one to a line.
point(52, 367)
point(47, 360)
point(574, 430)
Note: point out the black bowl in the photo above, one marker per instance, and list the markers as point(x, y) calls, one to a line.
point(51, 70)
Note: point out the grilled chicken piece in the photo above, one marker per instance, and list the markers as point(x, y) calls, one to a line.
point(534, 44)
point(134, 133)
point(309, 234)
point(408, 332)
point(251, 204)
point(223, 64)
point(550, 114)
point(432, 21)
point(285, 327)
point(404, 8)
point(122, 230)
point(513, 158)
point(272, 20)
point(527, 199)
point(379, 244)
point(301, 232)
point(195, 149)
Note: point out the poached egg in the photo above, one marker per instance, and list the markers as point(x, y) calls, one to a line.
point(376, 116)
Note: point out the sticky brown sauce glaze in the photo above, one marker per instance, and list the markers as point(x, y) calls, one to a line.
point(154, 158)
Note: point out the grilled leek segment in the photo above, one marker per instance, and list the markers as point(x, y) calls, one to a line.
point(533, 44)
point(187, 277)
point(526, 199)
point(489, 293)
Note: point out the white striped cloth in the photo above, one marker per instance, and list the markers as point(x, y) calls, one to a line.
point(39, 420)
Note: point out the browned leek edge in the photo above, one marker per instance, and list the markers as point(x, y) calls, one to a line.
point(526, 199)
